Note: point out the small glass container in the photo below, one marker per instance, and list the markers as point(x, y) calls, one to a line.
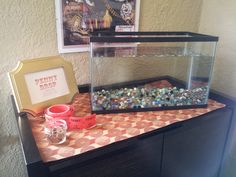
point(55, 131)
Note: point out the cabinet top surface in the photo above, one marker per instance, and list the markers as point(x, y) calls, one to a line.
point(113, 128)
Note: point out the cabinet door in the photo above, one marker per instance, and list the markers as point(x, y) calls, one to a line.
point(196, 148)
point(140, 160)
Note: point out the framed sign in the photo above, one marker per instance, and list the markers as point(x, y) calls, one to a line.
point(39, 83)
point(76, 19)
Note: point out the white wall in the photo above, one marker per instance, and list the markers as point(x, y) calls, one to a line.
point(219, 18)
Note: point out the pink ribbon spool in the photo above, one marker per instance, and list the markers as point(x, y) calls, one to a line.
point(61, 111)
point(66, 112)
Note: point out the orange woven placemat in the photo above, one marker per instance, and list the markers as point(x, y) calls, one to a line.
point(115, 127)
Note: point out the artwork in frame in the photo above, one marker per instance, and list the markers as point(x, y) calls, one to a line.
point(77, 19)
point(39, 83)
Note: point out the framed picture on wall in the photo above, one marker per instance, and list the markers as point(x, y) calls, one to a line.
point(77, 19)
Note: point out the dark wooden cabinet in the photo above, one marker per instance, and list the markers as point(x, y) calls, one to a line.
point(141, 159)
point(192, 148)
point(195, 149)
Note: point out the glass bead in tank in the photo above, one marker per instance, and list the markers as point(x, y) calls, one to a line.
point(146, 97)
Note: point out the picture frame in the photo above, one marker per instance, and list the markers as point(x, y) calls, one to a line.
point(77, 19)
point(42, 82)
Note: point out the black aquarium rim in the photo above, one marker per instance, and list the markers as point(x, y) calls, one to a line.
point(148, 109)
point(111, 37)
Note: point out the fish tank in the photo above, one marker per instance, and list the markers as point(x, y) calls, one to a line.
point(147, 71)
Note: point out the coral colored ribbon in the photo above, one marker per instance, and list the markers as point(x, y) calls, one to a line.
point(66, 112)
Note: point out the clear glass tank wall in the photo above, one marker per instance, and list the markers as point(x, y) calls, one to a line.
point(150, 72)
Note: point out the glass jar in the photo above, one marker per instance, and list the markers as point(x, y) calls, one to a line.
point(55, 130)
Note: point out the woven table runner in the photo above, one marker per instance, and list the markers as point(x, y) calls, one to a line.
point(113, 128)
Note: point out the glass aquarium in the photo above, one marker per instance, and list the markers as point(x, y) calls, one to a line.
point(143, 71)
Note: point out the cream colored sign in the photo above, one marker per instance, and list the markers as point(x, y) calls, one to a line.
point(47, 84)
